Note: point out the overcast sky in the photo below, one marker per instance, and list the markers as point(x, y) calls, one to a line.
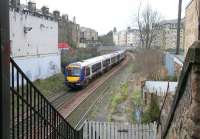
point(104, 15)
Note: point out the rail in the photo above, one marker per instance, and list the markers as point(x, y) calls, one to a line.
point(32, 115)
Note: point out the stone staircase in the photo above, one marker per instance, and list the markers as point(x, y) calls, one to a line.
point(110, 130)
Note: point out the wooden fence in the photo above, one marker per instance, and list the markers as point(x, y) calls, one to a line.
point(108, 130)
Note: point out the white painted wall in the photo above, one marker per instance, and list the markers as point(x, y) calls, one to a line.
point(36, 51)
point(42, 39)
point(39, 67)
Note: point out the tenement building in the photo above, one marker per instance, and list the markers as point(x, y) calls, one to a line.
point(88, 35)
point(34, 40)
point(166, 37)
point(68, 31)
point(128, 37)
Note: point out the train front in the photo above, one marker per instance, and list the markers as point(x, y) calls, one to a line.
point(73, 76)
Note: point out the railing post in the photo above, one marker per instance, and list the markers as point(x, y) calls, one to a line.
point(4, 70)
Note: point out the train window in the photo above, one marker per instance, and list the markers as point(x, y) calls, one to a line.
point(113, 59)
point(99, 66)
point(118, 57)
point(73, 71)
point(87, 71)
point(96, 67)
point(106, 62)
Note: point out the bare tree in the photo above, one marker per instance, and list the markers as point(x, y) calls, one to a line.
point(148, 24)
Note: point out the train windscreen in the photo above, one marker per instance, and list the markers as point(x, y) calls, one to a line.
point(73, 71)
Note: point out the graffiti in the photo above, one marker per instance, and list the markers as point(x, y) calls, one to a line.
point(29, 74)
point(53, 67)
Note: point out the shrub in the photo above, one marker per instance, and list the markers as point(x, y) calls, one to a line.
point(152, 112)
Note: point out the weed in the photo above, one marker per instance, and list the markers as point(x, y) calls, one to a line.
point(54, 84)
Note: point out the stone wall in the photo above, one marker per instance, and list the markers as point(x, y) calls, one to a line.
point(191, 23)
point(183, 121)
point(178, 129)
point(177, 68)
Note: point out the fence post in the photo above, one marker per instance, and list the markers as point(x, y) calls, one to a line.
point(4, 70)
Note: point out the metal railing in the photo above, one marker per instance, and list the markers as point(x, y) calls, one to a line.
point(32, 115)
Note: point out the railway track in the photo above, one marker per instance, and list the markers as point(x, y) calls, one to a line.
point(74, 111)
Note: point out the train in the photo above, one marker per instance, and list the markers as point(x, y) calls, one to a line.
point(79, 74)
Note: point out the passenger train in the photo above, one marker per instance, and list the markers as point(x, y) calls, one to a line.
point(79, 74)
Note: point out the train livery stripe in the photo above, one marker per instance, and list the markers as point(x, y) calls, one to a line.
point(73, 79)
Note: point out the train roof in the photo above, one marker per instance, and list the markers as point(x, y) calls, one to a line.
point(97, 59)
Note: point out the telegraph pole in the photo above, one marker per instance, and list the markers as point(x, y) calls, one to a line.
point(179, 27)
point(4, 70)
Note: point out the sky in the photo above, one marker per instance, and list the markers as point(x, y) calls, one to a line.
point(104, 15)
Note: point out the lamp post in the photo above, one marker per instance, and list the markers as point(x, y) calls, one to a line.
point(178, 27)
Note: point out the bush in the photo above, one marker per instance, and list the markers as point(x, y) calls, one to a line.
point(152, 112)
point(51, 85)
point(171, 78)
point(149, 62)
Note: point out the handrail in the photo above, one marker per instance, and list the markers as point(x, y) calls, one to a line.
point(32, 115)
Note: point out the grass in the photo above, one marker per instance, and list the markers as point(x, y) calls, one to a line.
point(136, 102)
point(136, 97)
point(119, 96)
point(54, 84)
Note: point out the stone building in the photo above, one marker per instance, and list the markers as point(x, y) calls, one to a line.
point(122, 38)
point(166, 37)
point(115, 37)
point(68, 31)
point(88, 35)
point(191, 23)
point(34, 40)
point(128, 37)
point(133, 39)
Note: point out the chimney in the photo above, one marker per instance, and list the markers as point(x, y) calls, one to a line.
point(74, 19)
point(32, 6)
point(45, 10)
point(56, 14)
point(65, 17)
point(15, 3)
